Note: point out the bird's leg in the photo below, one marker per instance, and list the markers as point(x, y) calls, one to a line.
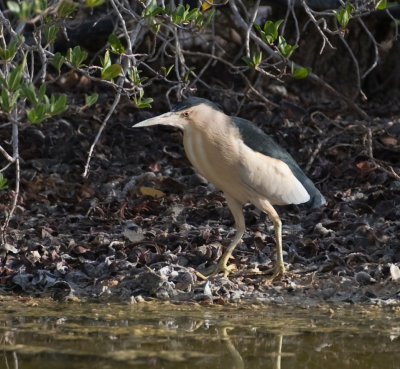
point(279, 267)
point(236, 209)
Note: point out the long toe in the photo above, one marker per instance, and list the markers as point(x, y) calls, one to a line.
point(213, 270)
point(276, 271)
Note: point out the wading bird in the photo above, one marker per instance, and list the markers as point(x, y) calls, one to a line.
point(242, 161)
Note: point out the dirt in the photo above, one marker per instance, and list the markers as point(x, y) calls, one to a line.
point(143, 221)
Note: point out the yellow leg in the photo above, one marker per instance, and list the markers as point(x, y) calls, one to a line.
point(279, 267)
point(222, 266)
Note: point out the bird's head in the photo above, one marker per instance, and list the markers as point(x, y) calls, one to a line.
point(191, 111)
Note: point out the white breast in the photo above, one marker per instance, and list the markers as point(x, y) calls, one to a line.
point(210, 159)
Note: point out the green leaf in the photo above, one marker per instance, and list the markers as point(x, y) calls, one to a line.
point(185, 77)
point(94, 3)
point(145, 103)
point(177, 14)
point(111, 72)
point(42, 92)
point(3, 54)
point(269, 33)
point(141, 93)
point(141, 103)
point(134, 76)
point(39, 5)
point(37, 114)
point(257, 27)
point(152, 9)
point(5, 101)
point(254, 61)
point(257, 58)
point(91, 99)
point(12, 49)
point(248, 61)
point(25, 10)
point(14, 79)
point(9, 52)
point(285, 49)
point(66, 9)
point(116, 45)
point(57, 61)
point(60, 105)
point(210, 15)
point(106, 60)
point(300, 73)
point(28, 91)
point(22, 10)
point(271, 28)
point(179, 11)
point(47, 104)
point(14, 98)
point(50, 33)
point(3, 182)
point(380, 4)
point(13, 6)
point(167, 70)
point(185, 15)
point(76, 56)
point(343, 16)
point(192, 15)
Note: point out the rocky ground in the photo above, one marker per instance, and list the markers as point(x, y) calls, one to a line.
point(143, 221)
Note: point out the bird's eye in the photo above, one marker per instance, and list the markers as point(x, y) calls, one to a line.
point(186, 114)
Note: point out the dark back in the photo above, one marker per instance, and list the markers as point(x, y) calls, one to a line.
point(259, 141)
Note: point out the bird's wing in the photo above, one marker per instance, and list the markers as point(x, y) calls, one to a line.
point(258, 141)
point(270, 178)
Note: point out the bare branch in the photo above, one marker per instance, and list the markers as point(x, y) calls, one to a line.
point(242, 24)
point(325, 39)
point(250, 26)
point(7, 155)
point(376, 59)
point(100, 131)
point(15, 144)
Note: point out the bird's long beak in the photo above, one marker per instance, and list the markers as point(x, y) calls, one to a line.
point(168, 119)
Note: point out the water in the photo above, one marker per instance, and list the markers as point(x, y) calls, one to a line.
point(45, 334)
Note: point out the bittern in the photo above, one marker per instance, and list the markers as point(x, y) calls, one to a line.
point(243, 162)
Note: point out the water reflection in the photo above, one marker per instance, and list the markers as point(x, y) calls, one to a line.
point(237, 359)
point(51, 335)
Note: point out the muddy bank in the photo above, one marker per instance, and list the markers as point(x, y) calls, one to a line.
point(143, 221)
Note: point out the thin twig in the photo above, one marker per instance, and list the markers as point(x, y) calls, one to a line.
point(100, 131)
point(395, 22)
point(209, 61)
point(249, 84)
point(356, 66)
point(37, 36)
point(7, 155)
point(250, 26)
point(376, 59)
point(121, 80)
point(296, 23)
point(117, 98)
point(15, 145)
point(316, 152)
point(313, 77)
point(377, 163)
point(325, 39)
point(350, 103)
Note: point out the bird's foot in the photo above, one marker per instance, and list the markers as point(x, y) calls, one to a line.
point(276, 271)
point(270, 274)
point(213, 270)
